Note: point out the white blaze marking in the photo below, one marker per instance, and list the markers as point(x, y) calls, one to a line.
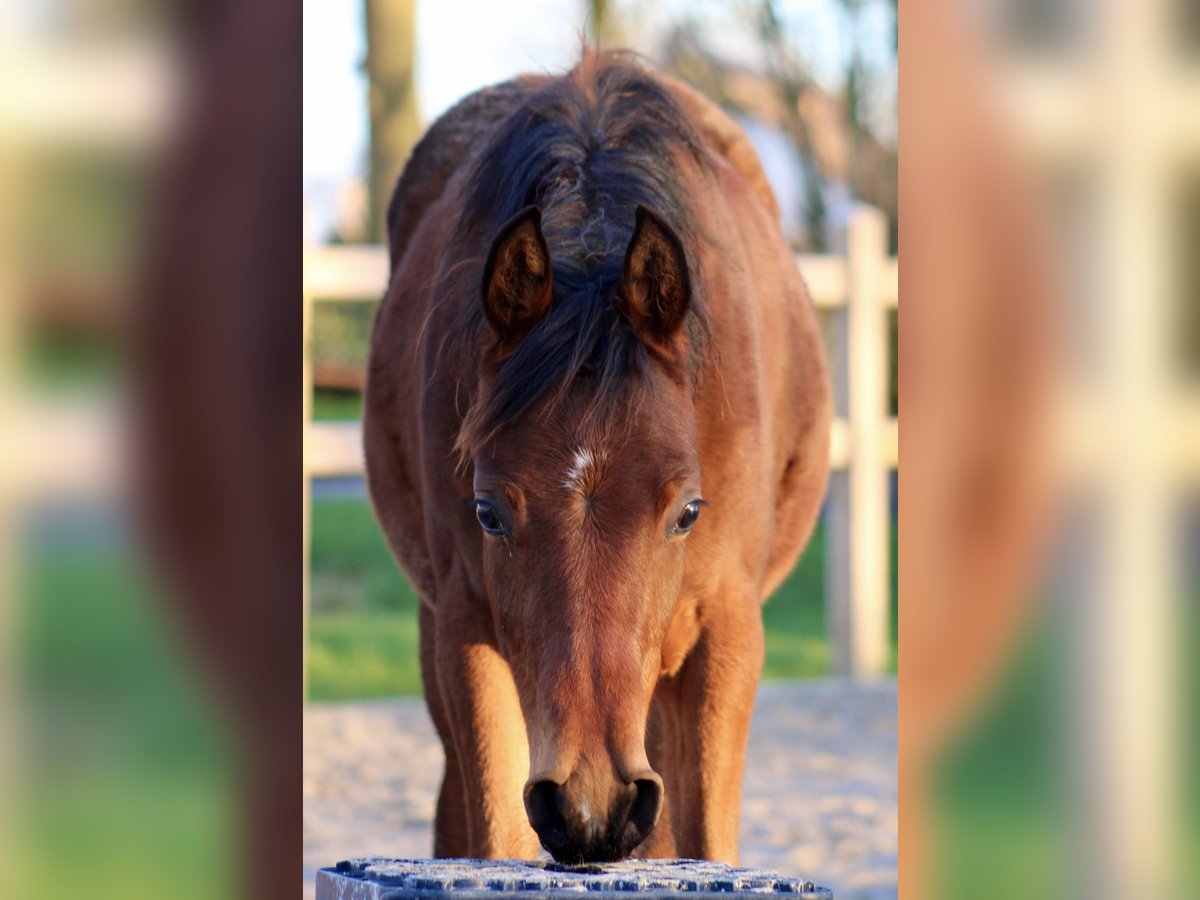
point(581, 468)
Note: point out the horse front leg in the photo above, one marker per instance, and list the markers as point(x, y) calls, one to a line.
point(487, 728)
point(707, 706)
point(451, 835)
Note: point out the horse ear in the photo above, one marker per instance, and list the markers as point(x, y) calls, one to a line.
point(517, 285)
point(655, 286)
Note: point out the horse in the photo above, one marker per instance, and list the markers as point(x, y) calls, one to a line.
point(596, 432)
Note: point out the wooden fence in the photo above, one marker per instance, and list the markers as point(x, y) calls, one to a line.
point(856, 291)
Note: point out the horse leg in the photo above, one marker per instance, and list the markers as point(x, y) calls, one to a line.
point(709, 704)
point(660, 739)
point(450, 831)
point(487, 728)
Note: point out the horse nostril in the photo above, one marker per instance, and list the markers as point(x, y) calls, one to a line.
point(576, 831)
point(647, 806)
point(544, 806)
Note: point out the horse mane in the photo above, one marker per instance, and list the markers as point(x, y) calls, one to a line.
point(587, 148)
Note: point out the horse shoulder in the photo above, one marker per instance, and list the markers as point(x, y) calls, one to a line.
point(395, 393)
point(772, 359)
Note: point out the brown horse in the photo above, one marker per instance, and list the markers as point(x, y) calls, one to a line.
point(596, 431)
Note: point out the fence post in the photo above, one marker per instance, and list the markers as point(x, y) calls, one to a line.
point(857, 506)
point(306, 386)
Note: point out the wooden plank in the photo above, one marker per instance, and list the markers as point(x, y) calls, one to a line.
point(66, 451)
point(353, 273)
point(348, 273)
point(334, 449)
point(114, 96)
point(1056, 110)
point(826, 279)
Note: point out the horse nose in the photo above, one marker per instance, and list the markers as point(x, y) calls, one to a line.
point(647, 805)
point(574, 830)
point(545, 805)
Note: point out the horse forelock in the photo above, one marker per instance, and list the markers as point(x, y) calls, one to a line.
point(588, 149)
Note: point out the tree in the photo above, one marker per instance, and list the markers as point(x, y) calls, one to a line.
point(391, 100)
point(792, 80)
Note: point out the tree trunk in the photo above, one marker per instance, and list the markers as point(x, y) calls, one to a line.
point(392, 100)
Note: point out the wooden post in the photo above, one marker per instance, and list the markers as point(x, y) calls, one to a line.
point(306, 424)
point(1123, 688)
point(857, 507)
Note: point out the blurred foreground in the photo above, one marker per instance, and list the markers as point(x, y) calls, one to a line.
point(149, 464)
point(1048, 383)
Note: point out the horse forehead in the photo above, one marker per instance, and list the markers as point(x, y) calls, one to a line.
point(585, 468)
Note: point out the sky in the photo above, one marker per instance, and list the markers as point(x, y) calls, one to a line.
point(466, 44)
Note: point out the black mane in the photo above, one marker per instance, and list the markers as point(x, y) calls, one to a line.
point(587, 148)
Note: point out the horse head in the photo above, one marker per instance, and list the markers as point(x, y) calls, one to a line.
point(585, 501)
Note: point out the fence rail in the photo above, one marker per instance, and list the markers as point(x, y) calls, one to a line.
point(857, 290)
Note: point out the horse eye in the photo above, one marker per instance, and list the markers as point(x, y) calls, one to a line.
point(489, 518)
point(688, 517)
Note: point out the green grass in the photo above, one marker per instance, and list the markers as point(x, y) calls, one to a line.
point(336, 405)
point(341, 331)
point(794, 619)
point(355, 655)
point(122, 835)
point(71, 364)
point(363, 632)
point(1008, 821)
point(1001, 789)
point(128, 787)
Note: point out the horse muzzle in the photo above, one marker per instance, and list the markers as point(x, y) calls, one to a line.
point(579, 824)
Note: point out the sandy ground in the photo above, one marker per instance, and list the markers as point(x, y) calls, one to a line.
point(819, 799)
